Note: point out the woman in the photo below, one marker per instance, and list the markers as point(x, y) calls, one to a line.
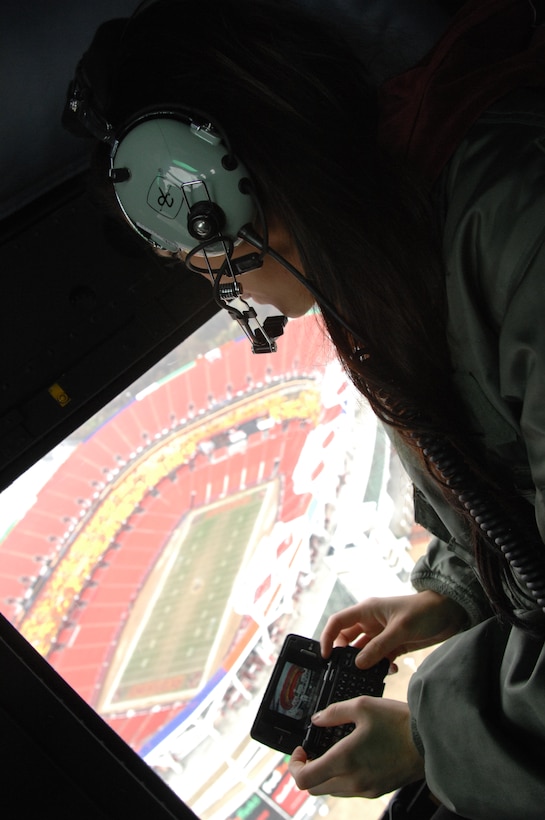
point(414, 210)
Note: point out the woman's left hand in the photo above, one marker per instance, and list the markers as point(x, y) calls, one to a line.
point(379, 756)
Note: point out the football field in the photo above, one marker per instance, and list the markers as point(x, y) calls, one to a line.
point(182, 623)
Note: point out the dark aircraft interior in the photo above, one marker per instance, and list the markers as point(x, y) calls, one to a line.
point(86, 309)
point(89, 311)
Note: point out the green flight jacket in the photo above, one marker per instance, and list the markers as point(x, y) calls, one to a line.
point(478, 702)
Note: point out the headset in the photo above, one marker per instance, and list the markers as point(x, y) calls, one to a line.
point(182, 189)
point(180, 186)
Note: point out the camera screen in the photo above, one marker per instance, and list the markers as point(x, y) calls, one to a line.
point(296, 691)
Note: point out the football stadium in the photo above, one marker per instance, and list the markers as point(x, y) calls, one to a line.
point(173, 546)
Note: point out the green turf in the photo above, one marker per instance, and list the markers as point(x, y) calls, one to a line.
point(172, 650)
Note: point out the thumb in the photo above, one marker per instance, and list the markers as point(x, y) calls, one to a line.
point(335, 714)
point(385, 645)
point(299, 755)
point(297, 762)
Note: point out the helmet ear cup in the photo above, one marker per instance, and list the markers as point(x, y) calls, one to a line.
point(168, 170)
point(174, 175)
point(205, 220)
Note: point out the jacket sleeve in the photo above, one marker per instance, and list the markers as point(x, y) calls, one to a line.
point(444, 570)
point(448, 567)
point(478, 710)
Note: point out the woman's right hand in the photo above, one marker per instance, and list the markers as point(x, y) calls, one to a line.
point(388, 627)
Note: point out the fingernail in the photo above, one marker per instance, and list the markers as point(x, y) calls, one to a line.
point(362, 657)
point(316, 716)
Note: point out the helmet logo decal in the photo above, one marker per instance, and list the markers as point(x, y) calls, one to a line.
point(165, 198)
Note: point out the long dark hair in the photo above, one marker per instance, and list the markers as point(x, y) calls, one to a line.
point(302, 114)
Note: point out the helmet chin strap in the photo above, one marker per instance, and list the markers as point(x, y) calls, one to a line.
point(262, 336)
point(229, 296)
